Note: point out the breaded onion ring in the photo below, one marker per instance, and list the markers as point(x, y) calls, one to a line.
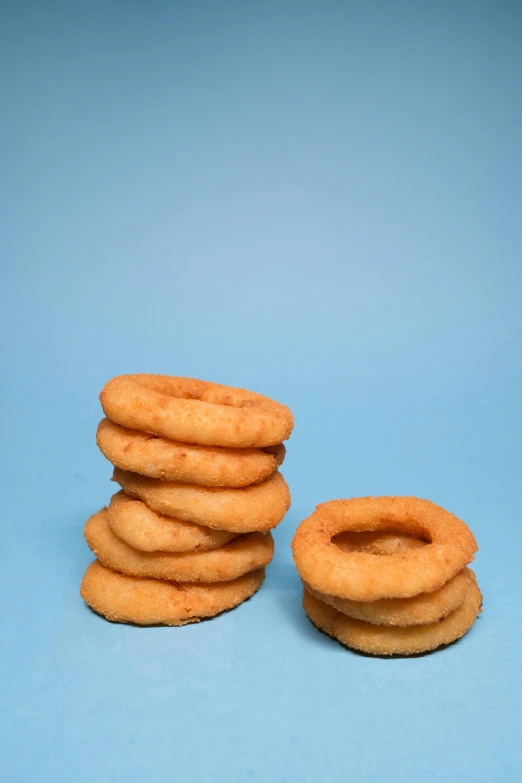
point(259, 507)
point(128, 599)
point(193, 411)
point(419, 610)
point(144, 529)
point(241, 555)
point(388, 640)
point(360, 576)
point(210, 466)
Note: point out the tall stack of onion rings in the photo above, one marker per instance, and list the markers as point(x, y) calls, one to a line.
point(387, 575)
point(188, 535)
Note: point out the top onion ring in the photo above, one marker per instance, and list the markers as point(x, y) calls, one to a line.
point(193, 411)
point(360, 576)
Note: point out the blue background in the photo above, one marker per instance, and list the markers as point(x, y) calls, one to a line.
point(320, 201)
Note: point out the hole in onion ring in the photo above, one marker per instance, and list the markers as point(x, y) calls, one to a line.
point(381, 542)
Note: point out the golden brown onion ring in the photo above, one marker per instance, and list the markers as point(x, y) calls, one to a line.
point(243, 554)
point(419, 610)
point(361, 576)
point(210, 466)
point(259, 507)
point(193, 411)
point(128, 599)
point(393, 640)
point(144, 529)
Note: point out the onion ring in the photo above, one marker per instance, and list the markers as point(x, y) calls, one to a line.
point(210, 466)
point(127, 599)
point(387, 640)
point(241, 555)
point(144, 529)
point(193, 411)
point(360, 576)
point(419, 610)
point(259, 507)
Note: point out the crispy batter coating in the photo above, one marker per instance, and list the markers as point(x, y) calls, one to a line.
point(193, 411)
point(210, 466)
point(259, 507)
point(243, 554)
point(361, 576)
point(128, 599)
point(144, 529)
point(419, 610)
point(393, 640)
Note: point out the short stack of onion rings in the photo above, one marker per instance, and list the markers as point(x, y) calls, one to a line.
point(387, 575)
point(188, 535)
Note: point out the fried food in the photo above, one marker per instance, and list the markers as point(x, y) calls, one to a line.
point(419, 610)
point(127, 599)
point(144, 529)
point(210, 466)
point(394, 640)
point(361, 576)
point(259, 507)
point(230, 561)
point(194, 411)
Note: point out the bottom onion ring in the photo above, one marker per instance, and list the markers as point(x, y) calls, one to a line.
point(386, 640)
point(419, 610)
point(241, 555)
point(144, 529)
point(128, 599)
point(361, 576)
point(259, 507)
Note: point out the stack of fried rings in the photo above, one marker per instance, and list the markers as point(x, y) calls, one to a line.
point(387, 575)
point(188, 536)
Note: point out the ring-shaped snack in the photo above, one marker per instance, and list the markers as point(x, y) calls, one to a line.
point(194, 411)
point(129, 599)
point(243, 554)
point(144, 529)
point(394, 640)
point(361, 576)
point(259, 507)
point(210, 466)
point(419, 610)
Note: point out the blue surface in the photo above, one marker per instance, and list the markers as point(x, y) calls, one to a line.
point(318, 201)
